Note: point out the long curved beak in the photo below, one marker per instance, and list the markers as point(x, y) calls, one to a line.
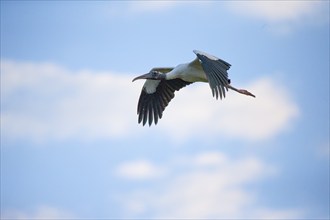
point(144, 76)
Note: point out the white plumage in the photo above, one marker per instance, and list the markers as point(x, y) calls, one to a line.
point(161, 83)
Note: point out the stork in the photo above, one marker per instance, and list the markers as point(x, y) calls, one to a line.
point(161, 83)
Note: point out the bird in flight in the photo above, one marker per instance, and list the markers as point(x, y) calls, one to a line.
point(161, 83)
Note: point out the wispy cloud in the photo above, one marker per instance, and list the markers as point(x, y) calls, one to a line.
point(152, 6)
point(42, 101)
point(139, 170)
point(41, 212)
point(46, 101)
point(280, 17)
point(283, 16)
point(161, 6)
point(207, 185)
point(235, 116)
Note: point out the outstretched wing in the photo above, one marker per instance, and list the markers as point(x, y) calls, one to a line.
point(216, 72)
point(155, 96)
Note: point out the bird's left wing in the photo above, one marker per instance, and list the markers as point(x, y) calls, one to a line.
point(215, 70)
point(155, 96)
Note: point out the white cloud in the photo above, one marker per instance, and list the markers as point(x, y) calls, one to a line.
point(202, 189)
point(152, 6)
point(160, 6)
point(139, 170)
point(283, 16)
point(42, 101)
point(45, 102)
point(235, 116)
point(41, 212)
point(275, 11)
point(279, 16)
point(209, 159)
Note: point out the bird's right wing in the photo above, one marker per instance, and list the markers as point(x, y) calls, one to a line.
point(155, 96)
point(216, 72)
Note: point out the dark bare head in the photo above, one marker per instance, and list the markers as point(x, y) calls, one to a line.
point(153, 75)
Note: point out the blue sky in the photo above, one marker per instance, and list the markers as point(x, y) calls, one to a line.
point(70, 143)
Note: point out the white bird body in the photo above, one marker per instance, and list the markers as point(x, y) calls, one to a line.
point(189, 72)
point(162, 82)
